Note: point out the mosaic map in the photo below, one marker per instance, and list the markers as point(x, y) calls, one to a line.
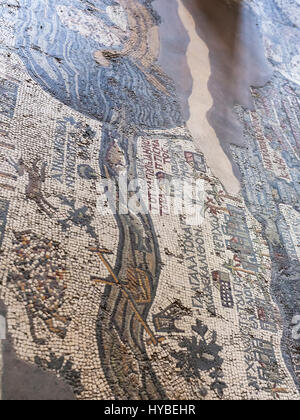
point(143, 305)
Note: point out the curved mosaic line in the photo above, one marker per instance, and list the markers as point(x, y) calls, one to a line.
point(113, 79)
point(222, 270)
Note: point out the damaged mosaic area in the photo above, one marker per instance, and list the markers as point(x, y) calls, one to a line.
point(130, 306)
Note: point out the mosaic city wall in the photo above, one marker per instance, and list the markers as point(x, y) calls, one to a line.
point(134, 305)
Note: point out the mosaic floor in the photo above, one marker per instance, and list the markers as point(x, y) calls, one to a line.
point(133, 305)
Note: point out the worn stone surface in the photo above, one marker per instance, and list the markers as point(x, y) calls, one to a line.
point(147, 306)
point(22, 381)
